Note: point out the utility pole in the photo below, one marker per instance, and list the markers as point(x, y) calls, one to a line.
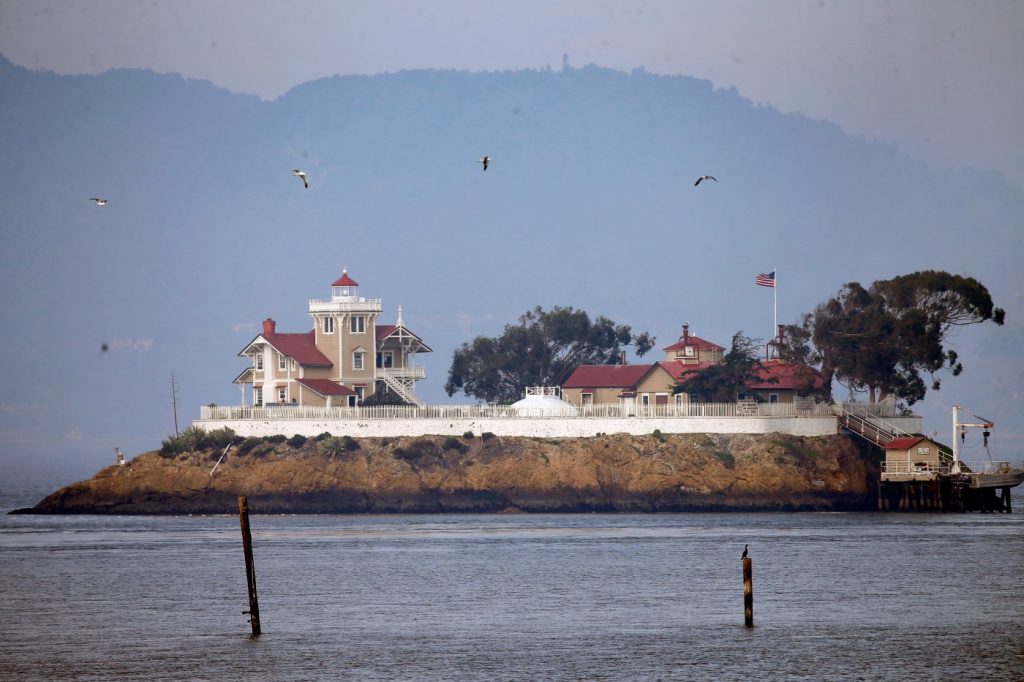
point(174, 402)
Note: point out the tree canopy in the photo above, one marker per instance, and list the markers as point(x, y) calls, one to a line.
point(541, 349)
point(884, 337)
point(720, 382)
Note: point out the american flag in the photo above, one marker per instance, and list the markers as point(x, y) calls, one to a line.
point(765, 279)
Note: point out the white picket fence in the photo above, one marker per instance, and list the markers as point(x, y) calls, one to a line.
point(739, 410)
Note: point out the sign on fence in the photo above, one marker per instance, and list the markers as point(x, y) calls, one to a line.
point(746, 408)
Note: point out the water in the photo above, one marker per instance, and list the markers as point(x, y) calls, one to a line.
point(547, 597)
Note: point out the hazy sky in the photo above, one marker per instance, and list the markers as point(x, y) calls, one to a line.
point(939, 78)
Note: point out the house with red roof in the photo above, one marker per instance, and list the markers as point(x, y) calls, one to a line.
point(346, 357)
point(653, 384)
point(914, 456)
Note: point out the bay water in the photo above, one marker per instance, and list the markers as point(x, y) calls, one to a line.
point(514, 597)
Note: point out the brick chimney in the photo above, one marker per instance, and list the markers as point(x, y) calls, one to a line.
point(269, 327)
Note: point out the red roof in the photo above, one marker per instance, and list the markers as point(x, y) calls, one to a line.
point(345, 281)
point(681, 370)
point(607, 376)
point(786, 375)
point(299, 347)
point(696, 342)
point(326, 387)
point(385, 330)
point(904, 443)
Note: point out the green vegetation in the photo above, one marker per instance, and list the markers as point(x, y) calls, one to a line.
point(336, 446)
point(881, 339)
point(486, 436)
point(297, 441)
point(248, 444)
point(277, 439)
point(658, 436)
point(726, 459)
point(468, 435)
point(542, 349)
point(719, 383)
point(452, 443)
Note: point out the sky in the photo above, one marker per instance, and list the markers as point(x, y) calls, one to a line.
point(940, 79)
point(937, 79)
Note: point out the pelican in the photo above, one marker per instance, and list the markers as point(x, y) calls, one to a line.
point(98, 201)
point(704, 177)
point(301, 174)
point(486, 160)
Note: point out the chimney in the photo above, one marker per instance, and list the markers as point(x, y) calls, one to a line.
point(622, 357)
point(269, 327)
point(686, 334)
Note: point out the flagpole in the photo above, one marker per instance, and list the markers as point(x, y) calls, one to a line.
point(775, 305)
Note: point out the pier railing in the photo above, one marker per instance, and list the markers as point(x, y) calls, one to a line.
point(725, 410)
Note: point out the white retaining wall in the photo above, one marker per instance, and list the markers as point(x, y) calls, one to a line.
point(539, 427)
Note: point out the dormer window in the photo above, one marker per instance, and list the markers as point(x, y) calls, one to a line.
point(357, 324)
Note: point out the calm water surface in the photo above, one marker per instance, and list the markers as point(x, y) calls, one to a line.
point(559, 597)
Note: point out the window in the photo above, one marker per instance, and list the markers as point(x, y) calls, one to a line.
point(385, 359)
point(360, 392)
point(257, 395)
point(351, 401)
point(357, 360)
point(661, 398)
point(282, 361)
point(328, 325)
point(645, 400)
point(259, 361)
point(282, 395)
point(773, 397)
point(357, 324)
point(587, 398)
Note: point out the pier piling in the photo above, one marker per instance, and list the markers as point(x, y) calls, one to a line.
point(748, 592)
point(250, 567)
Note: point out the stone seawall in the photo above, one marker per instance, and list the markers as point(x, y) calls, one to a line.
point(551, 427)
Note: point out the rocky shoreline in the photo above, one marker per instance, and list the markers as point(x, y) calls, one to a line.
point(430, 474)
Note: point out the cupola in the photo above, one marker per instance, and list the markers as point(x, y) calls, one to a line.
point(344, 288)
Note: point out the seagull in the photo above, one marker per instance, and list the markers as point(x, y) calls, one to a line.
point(486, 160)
point(301, 174)
point(703, 177)
point(98, 201)
point(744, 546)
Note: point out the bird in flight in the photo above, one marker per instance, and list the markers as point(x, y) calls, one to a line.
point(702, 178)
point(744, 551)
point(301, 174)
point(98, 201)
point(485, 161)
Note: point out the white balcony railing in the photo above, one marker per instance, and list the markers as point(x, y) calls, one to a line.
point(361, 305)
point(400, 373)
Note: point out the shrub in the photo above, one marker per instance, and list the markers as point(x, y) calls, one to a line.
point(263, 449)
point(402, 453)
point(336, 446)
point(486, 436)
point(468, 435)
point(297, 441)
point(322, 436)
point(276, 440)
point(221, 438)
point(424, 447)
point(658, 435)
point(248, 444)
point(452, 443)
point(726, 459)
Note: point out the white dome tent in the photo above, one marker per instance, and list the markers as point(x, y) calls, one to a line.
point(543, 401)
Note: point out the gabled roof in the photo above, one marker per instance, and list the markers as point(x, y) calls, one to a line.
point(326, 387)
point(785, 375)
point(607, 376)
point(300, 347)
point(385, 331)
point(903, 443)
point(682, 370)
point(345, 281)
point(696, 342)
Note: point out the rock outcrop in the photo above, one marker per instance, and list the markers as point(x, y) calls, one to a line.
point(653, 473)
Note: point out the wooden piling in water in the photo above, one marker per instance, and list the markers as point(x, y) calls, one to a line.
point(748, 592)
point(250, 567)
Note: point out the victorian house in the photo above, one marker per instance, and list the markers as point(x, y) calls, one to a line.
point(347, 356)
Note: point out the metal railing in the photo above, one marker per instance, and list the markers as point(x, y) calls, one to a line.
point(727, 410)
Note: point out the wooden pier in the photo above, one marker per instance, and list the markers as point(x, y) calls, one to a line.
point(943, 493)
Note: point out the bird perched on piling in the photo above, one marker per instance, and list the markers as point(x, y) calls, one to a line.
point(98, 201)
point(703, 178)
point(744, 552)
point(485, 161)
point(301, 174)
